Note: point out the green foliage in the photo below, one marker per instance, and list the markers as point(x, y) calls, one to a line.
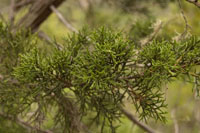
point(164, 60)
point(90, 66)
point(97, 70)
point(10, 91)
point(11, 45)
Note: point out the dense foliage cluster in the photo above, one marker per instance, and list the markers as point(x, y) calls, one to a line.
point(92, 76)
point(12, 45)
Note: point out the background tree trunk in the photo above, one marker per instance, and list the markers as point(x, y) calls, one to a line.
point(38, 13)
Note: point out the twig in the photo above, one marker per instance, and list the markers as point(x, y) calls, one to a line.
point(44, 36)
point(187, 26)
point(157, 28)
point(62, 19)
point(195, 2)
point(25, 124)
point(176, 128)
point(135, 121)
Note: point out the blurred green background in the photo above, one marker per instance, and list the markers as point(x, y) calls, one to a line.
point(136, 19)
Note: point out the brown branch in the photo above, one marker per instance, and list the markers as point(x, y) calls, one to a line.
point(157, 27)
point(195, 2)
point(24, 124)
point(45, 37)
point(176, 127)
point(187, 26)
point(138, 123)
point(62, 19)
point(37, 14)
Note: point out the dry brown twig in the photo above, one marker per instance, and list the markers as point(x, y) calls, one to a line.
point(187, 26)
point(63, 20)
point(176, 127)
point(44, 36)
point(157, 28)
point(195, 2)
point(138, 123)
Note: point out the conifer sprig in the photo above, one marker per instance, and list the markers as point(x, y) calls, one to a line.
point(96, 71)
